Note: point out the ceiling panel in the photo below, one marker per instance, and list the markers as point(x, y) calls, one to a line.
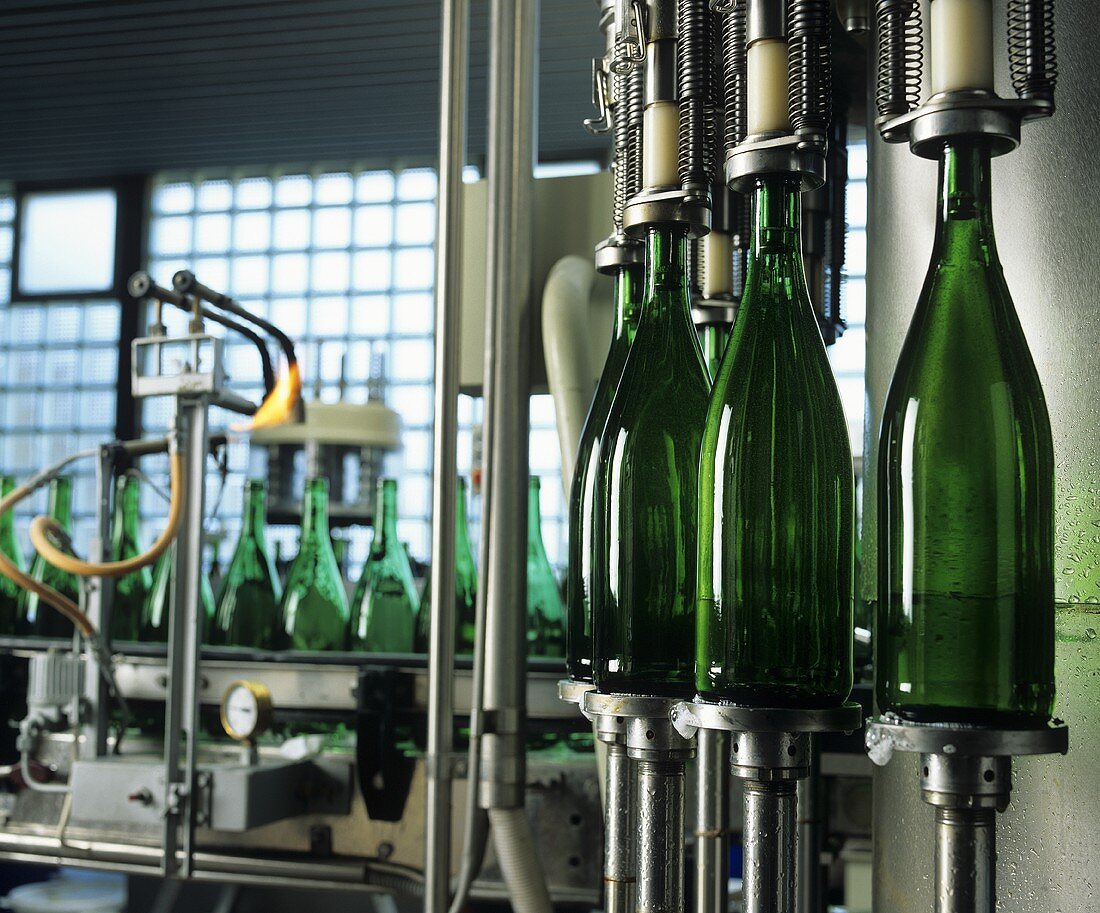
point(97, 87)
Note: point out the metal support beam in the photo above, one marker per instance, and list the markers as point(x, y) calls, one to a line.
point(712, 799)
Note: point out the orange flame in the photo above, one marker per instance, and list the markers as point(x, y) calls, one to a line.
point(282, 405)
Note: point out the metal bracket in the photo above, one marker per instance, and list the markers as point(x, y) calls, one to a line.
point(889, 734)
point(690, 716)
point(602, 123)
point(630, 28)
point(802, 156)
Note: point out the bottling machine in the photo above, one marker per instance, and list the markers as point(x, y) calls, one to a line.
point(745, 743)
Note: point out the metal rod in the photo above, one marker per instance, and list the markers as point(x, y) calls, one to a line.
point(660, 837)
point(100, 591)
point(512, 106)
point(810, 830)
point(620, 863)
point(452, 156)
point(712, 821)
point(965, 860)
point(769, 842)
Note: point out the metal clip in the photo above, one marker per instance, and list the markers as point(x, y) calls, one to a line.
point(630, 28)
point(601, 123)
point(722, 6)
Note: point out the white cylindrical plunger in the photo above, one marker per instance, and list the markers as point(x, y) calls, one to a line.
point(717, 265)
point(962, 45)
point(768, 104)
point(661, 145)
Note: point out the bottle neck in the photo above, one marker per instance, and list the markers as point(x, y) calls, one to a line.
point(964, 220)
point(60, 504)
point(385, 515)
point(534, 517)
point(7, 519)
point(255, 510)
point(776, 222)
point(666, 267)
point(626, 302)
point(315, 512)
point(462, 532)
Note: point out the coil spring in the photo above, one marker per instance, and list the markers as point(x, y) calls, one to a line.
point(900, 56)
point(622, 145)
point(733, 34)
point(631, 106)
point(697, 264)
point(809, 68)
point(1031, 55)
point(695, 87)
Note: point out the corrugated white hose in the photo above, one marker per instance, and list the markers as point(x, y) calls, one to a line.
point(519, 861)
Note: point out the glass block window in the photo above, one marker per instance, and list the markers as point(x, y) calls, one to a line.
point(849, 353)
point(58, 381)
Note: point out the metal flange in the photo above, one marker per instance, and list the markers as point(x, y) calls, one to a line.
point(707, 311)
point(889, 734)
point(661, 207)
point(800, 157)
point(572, 692)
point(646, 724)
point(690, 716)
point(970, 114)
point(617, 251)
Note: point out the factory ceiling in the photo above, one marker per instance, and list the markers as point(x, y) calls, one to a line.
point(98, 87)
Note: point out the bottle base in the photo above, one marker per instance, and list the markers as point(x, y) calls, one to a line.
point(616, 684)
point(787, 698)
point(970, 716)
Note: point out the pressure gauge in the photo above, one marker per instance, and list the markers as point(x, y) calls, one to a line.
point(246, 710)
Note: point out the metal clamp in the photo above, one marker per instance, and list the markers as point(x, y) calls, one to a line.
point(889, 734)
point(602, 122)
point(617, 251)
point(970, 113)
point(690, 716)
point(655, 207)
point(572, 692)
point(629, 36)
point(646, 724)
point(802, 157)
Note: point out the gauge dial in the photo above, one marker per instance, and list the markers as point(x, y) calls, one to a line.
point(246, 710)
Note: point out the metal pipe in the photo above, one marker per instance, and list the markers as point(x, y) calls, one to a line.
point(454, 52)
point(965, 860)
point(620, 864)
point(660, 837)
point(769, 840)
point(512, 105)
point(810, 829)
point(100, 593)
point(712, 821)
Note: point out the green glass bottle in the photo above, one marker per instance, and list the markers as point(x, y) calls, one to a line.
point(42, 620)
point(965, 627)
point(644, 547)
point(383, 618)
point(465, 587)
point(582, 492)
point(315, 612)
point(715, 336)
point(248, 611)
point(545, 614)
point(155, 613)
point(10, 591)
point(776, 499)
point(132, 590)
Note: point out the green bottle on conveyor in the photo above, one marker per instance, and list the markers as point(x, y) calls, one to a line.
point(156, 612)
point(132, 590)
point(315, 614)
point(644, 548)
point(40, 620)
point(965, 626)
point(10, 591)
point(545, 614)
point(582, 492)
point(776, 499)
point(248, 605)
point(383, 618)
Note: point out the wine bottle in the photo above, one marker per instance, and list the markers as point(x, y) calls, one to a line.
point(10, 591)
point(644, 548)
point(776, 501)
point(41, 620)
point(582, 492)
point(383, 618)
point(315, 612)
point(132, 590)
point(545, 615)
point(248, 613)
point(155, 613)
point(715, 336)
point(465, 587)
point(965, 627)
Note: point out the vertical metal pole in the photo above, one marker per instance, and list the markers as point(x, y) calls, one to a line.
point(810, 827)
point(712, 821)
point(98, 609)
point(769, 843)
point(966, 860)
point(620, 855)
point(448, 260)
point(512, 94)
point(185, 641)
point(660, 837)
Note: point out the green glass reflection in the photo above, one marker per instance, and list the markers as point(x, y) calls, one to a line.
point(156, 611)
point(315, 614)
point(644, 549)
point(383, 616)
point(966, 485)
point(10, 591)
point(582, 492)
point(248, 605)
point(132, 590)
point(545, 614)
point(776, 502)
point(41, 620)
